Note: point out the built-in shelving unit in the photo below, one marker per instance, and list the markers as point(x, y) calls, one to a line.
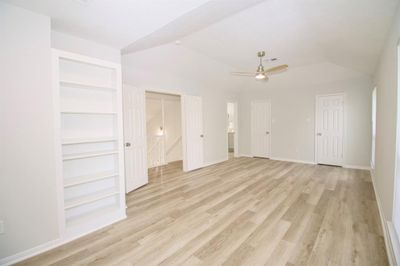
point(91, 181)
point(89, 178)
point(79, 85)
point(87, 140)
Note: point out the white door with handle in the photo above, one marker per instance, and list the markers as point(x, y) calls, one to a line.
point(261, 129)
point(135, 138)
point(329, 129)
point(192, 137)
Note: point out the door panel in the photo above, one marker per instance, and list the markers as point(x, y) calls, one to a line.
point(135, 138)
point(261, 129)
point(192, 139)
point(330, 122)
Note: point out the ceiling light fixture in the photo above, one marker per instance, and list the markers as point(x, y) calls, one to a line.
point(260, 76)
point(261, 73)
point(83, 2)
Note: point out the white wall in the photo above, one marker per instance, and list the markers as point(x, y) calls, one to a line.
point(78, 45)
point(176, 69)
point(292, 96)
point(386, 80)
point(28, 181)
point(173, 129)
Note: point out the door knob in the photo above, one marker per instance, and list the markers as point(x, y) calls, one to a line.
point(128, 144)
point(201, 136)
point(319, 134)
point(267, 132)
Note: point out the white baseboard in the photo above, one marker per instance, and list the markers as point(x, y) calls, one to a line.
point(359, 167)
point(30, 252)
point(391, 242)
point(215, 162)
point(291, 160)
point(26, 254)
point(395, 241)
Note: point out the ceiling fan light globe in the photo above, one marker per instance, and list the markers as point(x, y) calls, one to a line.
point(260, 76)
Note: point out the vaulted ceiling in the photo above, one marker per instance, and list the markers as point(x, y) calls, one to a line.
point(112, 22)
point(349, 34)
point(301, 32)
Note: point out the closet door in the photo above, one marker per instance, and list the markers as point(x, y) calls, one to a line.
point(135, 138)
point(261, 128)
point(192, 139)
point(330, 129)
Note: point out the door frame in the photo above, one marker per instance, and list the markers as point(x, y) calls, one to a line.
point(270, 126)
point(236, 136)
point(171, 92)
point(343, 94)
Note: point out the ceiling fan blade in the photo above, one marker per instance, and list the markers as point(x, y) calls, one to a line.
point(276, 69)
point(249, 74)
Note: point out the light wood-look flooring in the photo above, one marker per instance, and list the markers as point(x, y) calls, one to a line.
point(244, 211)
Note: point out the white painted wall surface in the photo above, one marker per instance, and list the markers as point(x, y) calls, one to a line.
point(28, 180)
point(173, 129)
point(78, 45)
point(155, 133)
point(386, 83)
point(293, 118)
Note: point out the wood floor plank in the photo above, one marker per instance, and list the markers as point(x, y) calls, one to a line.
point(245, 211)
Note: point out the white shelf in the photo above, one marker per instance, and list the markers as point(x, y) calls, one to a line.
point(88, 113)
point(86, 140)
point(81, 85)
point(73, 203)
point(89, 117)
point(74, 181)
point(88, 155)
point(92, 216)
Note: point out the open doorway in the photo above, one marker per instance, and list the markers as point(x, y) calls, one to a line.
point(232, 131)
point(163, 130)
point(163, 133)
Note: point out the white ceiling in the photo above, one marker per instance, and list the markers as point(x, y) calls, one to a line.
point(190, 22)
point(300, 32)
point(116, 23)
point(347, 33)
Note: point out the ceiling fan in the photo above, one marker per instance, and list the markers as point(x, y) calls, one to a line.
point(261, 73)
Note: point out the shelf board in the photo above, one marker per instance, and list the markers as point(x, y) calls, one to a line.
point(87, 113)
point(81, 85)
point(74, 181)
point(73, 203)
point(92, 216)
point(72, 141)
point(88, 155)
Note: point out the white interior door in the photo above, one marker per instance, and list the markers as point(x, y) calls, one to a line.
point(135, 138)
point(192, 137)
point(261, 129)
point(329, 129)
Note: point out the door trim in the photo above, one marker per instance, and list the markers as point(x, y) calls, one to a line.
point(270, 127)
point(343, 94)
